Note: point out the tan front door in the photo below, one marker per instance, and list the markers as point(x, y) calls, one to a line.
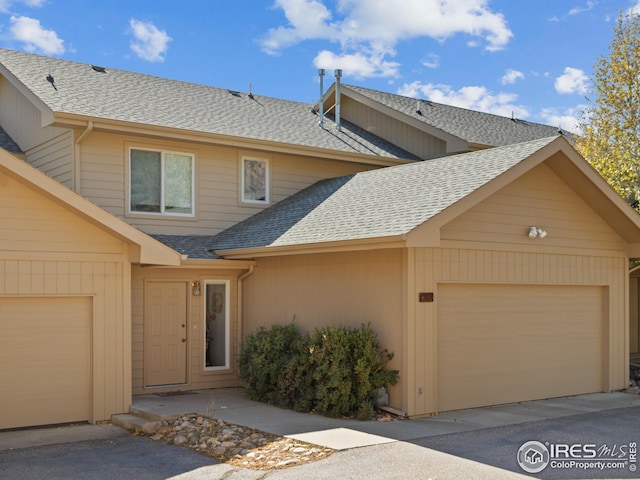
point(165, 334)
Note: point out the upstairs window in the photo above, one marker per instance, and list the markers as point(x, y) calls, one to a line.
point(255, 180)
point(161, 182)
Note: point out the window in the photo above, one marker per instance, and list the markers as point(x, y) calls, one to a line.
point(161, 182)
point(255, 180)
point(216, 317)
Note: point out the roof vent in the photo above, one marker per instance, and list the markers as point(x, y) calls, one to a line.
point(51, 80)
point(234, 93)
point(321, 106)
point(418, 107)
point(517, 120)
point(98, 69)
point(338, 74)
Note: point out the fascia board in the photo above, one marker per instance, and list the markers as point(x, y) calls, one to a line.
point(378, 243)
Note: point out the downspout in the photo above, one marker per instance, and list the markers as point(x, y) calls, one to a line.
point(239, 306)
point(76, 156)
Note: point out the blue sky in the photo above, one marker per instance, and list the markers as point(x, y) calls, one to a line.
point(529, 58)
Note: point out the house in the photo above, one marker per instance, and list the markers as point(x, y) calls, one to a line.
point(150, 223)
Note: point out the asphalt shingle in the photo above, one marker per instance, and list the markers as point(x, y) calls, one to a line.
point(7, 143)
point(118, 95)
point(194, 246)
point(473, 126)
point(378, 203)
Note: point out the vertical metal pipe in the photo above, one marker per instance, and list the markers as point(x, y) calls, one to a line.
point(321, 75)
point(338, 74)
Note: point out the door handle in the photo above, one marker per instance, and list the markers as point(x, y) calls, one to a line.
point(184, 340)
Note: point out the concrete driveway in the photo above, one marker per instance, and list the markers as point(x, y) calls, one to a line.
point(611, 432)
point(478, 443)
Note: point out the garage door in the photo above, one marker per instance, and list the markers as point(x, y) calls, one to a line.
point(509, 343)
point(44, 360)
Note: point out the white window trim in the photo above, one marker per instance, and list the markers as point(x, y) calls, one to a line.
point(227, 325)
point(162, 212)
point(267, 181)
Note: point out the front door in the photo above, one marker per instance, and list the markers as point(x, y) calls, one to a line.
point(165, 334)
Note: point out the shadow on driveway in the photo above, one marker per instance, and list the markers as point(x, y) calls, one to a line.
point(611, 429)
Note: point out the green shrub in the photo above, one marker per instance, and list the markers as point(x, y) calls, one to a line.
point(264, 359)
point(334, 371)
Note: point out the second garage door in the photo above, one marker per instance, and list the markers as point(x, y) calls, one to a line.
point(44, 360)
point(508, 343)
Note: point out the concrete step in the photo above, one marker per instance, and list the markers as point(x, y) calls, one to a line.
point(130, 422)
point(138, 412)
point(136, 419)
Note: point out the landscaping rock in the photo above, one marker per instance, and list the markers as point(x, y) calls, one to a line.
point(240, 446)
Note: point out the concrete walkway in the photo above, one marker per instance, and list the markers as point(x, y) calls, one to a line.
point(233, 405)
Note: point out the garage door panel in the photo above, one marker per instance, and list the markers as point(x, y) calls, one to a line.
point(44, 360)
point(508, 343)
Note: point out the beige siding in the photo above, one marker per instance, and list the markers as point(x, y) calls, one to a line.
point(106, 282)
point(35, 224)
point(55, 158)
point(399, 133)
point(539, 198)
point(47, 251)
point(104, 173)
point(433, 267)
point(331, 289)
point(22, 120)
point(197, 376)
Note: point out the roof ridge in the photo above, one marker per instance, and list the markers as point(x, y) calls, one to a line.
point(357, 87)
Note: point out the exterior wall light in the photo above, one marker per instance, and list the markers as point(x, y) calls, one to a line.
point(537, 232)
point(195, 289)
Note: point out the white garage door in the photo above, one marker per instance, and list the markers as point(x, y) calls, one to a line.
point(44, 360)
point(508, 343)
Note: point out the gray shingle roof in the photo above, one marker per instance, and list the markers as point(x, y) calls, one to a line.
point(472, 126)
point(8, 143)
point(132, 97)
point(379, 203)
point(194, 246)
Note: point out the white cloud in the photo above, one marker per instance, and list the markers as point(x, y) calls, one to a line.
point(472, 97)
point(566, 120)
point(364, 28)
point(635, 10)
point(5, 5)
point(573, 80)
point(35, 37)
point(586, 8)
point(148, 42)
point(359, 65)
point(308, 19)
point(432, 61)
point(511, 76)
